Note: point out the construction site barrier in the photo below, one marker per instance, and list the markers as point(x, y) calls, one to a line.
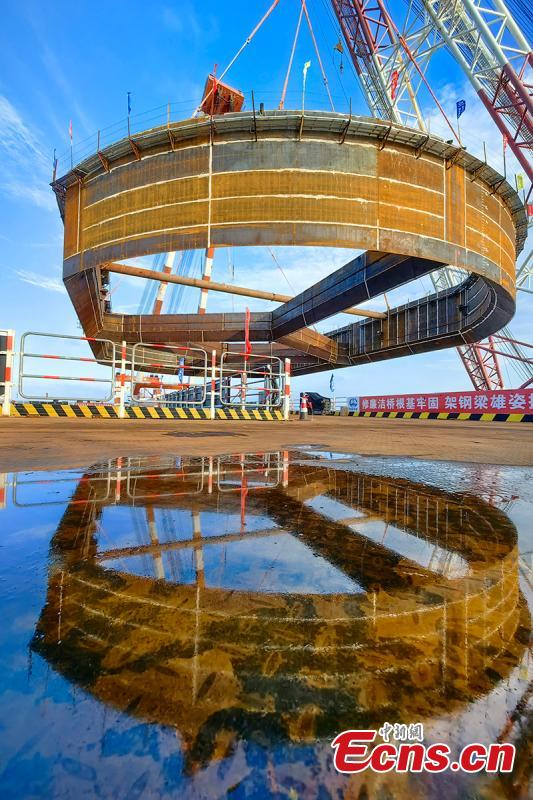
point(198, 393)
point(437, 415)
point(101, 411)
point(487, 405)
point(188, 388)
point(25, 355)
point(241, 383)
point(7, 346)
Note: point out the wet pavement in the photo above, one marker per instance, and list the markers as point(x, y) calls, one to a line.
point(203, 627)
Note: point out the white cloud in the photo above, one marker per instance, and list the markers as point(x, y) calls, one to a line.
point(42, 281)
point(25, 174)
point(39, 196)
point(18, 142)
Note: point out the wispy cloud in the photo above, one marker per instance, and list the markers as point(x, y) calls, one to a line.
point(57, 72)
point(39, 196)
point(187, 23)
point(18, 141)
point(24, 173)
point(42, 281)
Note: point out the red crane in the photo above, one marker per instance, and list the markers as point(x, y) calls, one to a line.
point(391, 67)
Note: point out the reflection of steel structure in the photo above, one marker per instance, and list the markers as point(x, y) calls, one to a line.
point(410, 200)
point(435, 604)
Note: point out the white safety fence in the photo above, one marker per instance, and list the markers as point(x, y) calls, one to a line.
point(140, 374)
point(31, 357)
point(186, 387)
point(249, 379)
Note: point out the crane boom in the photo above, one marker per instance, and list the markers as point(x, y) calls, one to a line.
point(391, 66)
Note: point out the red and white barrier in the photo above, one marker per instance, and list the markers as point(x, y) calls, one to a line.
point(287, 396)
point(242, 380)
point(108, 381)
point(7, 347)
point(243, 384)
point(191, 369)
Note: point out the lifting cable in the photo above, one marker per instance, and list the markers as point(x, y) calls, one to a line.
point(237, 54)
point(293, 290)
point(324, 76)
point(276, 262)
point(287, 76)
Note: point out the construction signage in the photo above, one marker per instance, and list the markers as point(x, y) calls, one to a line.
point(500, 401)
point(514, 405)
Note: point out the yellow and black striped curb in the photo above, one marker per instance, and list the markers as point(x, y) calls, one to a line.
point(255, 413)
point(89, 410)
point(438, 415)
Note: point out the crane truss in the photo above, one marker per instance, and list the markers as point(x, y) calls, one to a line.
point(497, 59)
point(391, 67)
point(368, 31)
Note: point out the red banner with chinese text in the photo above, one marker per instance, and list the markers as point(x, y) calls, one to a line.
point(501, 401)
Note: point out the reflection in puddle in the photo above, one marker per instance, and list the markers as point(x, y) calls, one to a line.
point(256, 605)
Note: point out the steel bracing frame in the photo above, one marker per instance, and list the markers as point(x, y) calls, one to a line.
point(497, 60)
point(378, 55)
point(524, 274)
point(391, 67)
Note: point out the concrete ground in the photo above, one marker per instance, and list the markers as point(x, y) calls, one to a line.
point(46, 442)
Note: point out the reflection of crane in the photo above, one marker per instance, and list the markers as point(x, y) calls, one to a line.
point(391, 66)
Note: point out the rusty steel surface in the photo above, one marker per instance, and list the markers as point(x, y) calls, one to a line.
point(412, 201)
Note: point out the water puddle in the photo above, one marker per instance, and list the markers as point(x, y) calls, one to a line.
point(204, 627)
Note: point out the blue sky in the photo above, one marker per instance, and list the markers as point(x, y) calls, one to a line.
point(62, 61)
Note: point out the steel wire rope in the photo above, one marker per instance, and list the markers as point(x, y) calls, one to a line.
point(237, 54)
point(338, 72)
point(291, 58)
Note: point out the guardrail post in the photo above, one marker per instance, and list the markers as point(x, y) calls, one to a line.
point(7, 345)
point(213, 382)
point(287, 395)
point(122, 395)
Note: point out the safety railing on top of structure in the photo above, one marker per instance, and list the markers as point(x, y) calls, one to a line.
point(175, 112)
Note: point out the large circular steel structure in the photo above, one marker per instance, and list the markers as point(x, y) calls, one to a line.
point(412, 201)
